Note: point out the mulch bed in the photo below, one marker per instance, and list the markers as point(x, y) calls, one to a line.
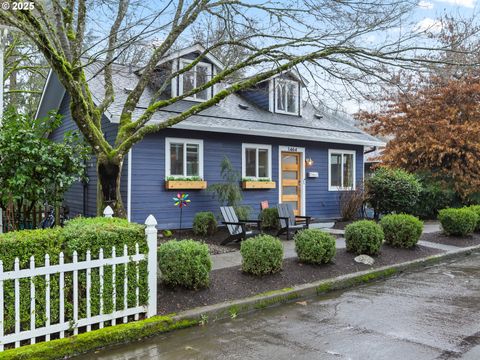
point(213, 241)
point(232, 283)
point(441, 238)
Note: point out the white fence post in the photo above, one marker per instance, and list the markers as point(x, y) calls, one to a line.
point(151, 234)
point(108, 212)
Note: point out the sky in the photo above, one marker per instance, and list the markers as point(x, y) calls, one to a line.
point(426, 18)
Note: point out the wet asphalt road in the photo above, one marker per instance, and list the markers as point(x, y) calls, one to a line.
point(430, 314)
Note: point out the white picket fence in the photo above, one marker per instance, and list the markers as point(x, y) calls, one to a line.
point(75, 268)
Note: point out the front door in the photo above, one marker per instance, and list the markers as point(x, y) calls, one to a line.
point(291, 180)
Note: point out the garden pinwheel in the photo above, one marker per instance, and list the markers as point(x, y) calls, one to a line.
point(181, 201)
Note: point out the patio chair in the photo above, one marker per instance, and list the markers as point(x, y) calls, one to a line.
point(237, 228)
point(289, 221)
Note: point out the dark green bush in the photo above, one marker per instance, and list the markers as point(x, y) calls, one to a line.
point(458, 222)
point(401, 230)
point(262, 255)
point(185, 263)
point(364, 237)
point(269, 218)
point(315, 246)
point(204, 223)
point(392, 190)
point(433, 197)
point(476, 210)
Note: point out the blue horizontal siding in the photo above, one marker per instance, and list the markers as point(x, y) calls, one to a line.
point(148, 172)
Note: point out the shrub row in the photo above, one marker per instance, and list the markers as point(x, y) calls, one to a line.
point(399, 230)
point(78, 235)
point(187, 263)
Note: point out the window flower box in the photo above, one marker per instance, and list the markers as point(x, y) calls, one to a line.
point(185, 184)
point(252, 184)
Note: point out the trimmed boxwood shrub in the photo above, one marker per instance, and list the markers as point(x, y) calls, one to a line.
point(269, 218)
point(476, 210)
point(80, 234)
point(185, 263)
point(458, 222)
point(262, 254)
point(204, 223)
point(364, 237)
point(401, 230)
point(315, 246)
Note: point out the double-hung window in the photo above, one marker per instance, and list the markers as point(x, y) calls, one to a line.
point(341, 170)
point(286, 96)
point(195, 77)
point(256, 161)
point(184, 157)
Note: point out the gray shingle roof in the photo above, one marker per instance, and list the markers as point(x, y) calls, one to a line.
point(228, 117)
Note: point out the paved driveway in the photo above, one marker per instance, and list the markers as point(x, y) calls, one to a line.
point(430, 314)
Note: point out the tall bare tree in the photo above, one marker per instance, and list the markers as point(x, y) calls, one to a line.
point(328, 39)
point(25, 72)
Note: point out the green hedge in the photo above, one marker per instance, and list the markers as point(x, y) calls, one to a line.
point(185, 263)
point(204, 223)
point(262, 254)
point(401, 230)
point(315, 246)
point(458, 222)
point(364, 237)
point(24, 244)
point(79, 235)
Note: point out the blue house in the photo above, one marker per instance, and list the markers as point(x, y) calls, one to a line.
point(289, 151)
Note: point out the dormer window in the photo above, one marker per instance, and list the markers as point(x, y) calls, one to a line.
point(286, 96)
point(194, 78)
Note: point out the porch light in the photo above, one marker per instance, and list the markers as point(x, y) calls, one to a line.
point(309, 162)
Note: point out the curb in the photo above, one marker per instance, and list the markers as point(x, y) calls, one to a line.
point(272, 298)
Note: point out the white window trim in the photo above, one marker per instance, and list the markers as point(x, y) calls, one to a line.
point(342, 152)
point(277, 110)
point(244, 162)
point(198, 142)
point(182, 63)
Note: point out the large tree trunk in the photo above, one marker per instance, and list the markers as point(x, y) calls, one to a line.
point(109, 172)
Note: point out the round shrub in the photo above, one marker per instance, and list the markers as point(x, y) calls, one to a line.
point(392, 190)
point(458, 222)
point(204, 223)
point(315, 246)
point(184, 263)
point(364, 237)
point(269, 218)
point(476, 210)
point(262, 255)
point(401, 230)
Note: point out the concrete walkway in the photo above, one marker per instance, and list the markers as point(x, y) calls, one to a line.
point(231, 259)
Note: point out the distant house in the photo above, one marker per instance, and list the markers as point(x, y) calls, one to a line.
point(268, 132)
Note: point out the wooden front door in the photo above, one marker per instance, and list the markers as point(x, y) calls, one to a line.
point(291, 180)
